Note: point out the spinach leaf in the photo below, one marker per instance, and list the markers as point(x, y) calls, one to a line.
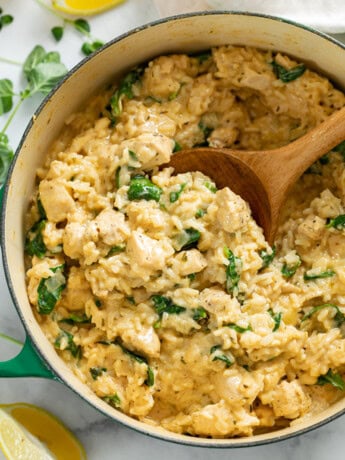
point(211, 186)
point(219, 356)
point(116, 250)
point(188, 239)
point(340, 148)
point(267, 257)
point(34, 244)
point(97, 372)
point(113, 400)
point(289, 270)
point(232, 271)
point(177, 147)
point(238, 329)
point(332, 378)
point(74, 319)
point(6, 95)
point(202, 57)
point(66, 336)
point(174, 196)
point(124, 90)
point(140, 359)
point(325, 274)
point(50, 289)
point(339, 317)
point(164, 304)
point(287, 75)
point(200, 213)
point(200, 315)
point(150, 381)
point(206, 130)
point(141, 188)
point(277, 317)
point(337, 222)
point(5, 19)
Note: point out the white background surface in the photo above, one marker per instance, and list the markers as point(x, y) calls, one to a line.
point(103, 438)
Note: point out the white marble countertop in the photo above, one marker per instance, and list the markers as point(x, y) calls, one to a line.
point(104, 439)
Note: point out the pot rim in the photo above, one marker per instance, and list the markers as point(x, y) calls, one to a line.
point(191, 441)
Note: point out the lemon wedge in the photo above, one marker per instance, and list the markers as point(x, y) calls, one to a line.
point(84, 7)
point(29, 432)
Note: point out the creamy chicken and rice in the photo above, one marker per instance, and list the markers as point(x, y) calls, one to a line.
point(158, 290)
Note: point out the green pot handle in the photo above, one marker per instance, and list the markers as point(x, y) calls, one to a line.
point(26, 364)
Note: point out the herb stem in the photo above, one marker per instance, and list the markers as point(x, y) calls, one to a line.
point(10, 61)
point(10, 339)
point(12, 114)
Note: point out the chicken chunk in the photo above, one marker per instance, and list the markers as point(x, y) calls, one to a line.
point(312, 228)
point(151, 149)
point(191, 261)
point(233, 213)
point(56, 200)
point(78, 290)
point(290, 400)
point(142, 339)
point(112, 226)
point(147, 252)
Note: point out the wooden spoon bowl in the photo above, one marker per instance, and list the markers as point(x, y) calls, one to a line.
point(264, 178)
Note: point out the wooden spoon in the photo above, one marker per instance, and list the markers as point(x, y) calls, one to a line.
point(263, 178)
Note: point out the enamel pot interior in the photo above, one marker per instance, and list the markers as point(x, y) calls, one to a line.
point(179, 34)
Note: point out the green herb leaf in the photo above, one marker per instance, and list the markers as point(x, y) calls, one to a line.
point(337, 223)
point(277, 317)
point(232, 271)
point(64, 336)
point(286, 75)
point(6, 155)
point(177, 147)
point(74, 319)
point(44, 77)
point(202, 57)
point(98, 303)
point(325, 274)
point(6, 96)
point(141, 188)
point(116, 250)
point(238, 329)
point(200, 213)
point(150, 381)
point(164, 304)
point(174, 196)
point(332, 378)
point(5, 20)
point(124, 89)
point(113, 400)
point(219, 356)
point(200, 315)
point(41, 209)
point(49, 291)
point(206, 131)
point(57, 32)
point(289, 270)
point(339, 317)
point(34, 243)
point(267, 257)
point(97, 372)
point(188, 239)
point(90, 47)
point(210, 186)
point(82, 26)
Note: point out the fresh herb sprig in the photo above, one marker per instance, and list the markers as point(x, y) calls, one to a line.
point(287, 75)
point(91, 43)
point(42, 70)
point(232, 270)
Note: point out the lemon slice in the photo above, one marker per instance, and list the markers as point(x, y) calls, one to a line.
point(84, 7)
point(29, 432)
